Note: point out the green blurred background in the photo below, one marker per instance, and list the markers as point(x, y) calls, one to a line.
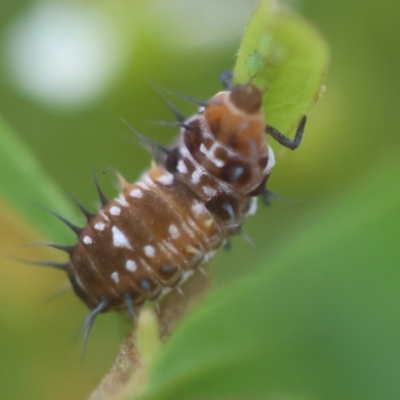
point(71, 69)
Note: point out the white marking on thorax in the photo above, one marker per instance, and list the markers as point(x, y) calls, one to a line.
point(209, 191)
point(119, 239)
point(271, 160)
point(174, 231)
point(182, 167)
point(210, 154)
point(253, 207)
point(150, 251)
point(197, 174)
point(114, 210)
point(136, 193)
point(131, 266)
point(115, 277)
point(87, 240)
point(99, 226)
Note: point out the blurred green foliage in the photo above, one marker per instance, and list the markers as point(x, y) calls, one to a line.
point(330, 300)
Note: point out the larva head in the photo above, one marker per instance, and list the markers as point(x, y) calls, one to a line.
point(236, 119)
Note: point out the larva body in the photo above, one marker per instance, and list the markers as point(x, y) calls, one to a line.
point(150, 239)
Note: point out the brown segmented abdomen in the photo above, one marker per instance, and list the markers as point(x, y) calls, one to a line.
point(141, 243)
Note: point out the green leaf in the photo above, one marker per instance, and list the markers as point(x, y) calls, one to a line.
point(320, 321)
point(23, 183)
point(283, 53)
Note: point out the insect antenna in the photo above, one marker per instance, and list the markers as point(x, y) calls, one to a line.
point(103, 198)
point(89, 321)
point(70, 225)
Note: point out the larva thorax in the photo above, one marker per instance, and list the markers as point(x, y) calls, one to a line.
point(151, 238)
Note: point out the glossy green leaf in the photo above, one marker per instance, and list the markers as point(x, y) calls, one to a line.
point(319, 321)
point(23, 183)
point(286, 55)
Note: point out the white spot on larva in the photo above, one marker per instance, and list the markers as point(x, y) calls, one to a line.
point(203, 149)
point(203, 271)
point(209, 255)
point(173, 231)
point(208, 223)
point(119, 239)
point(192, 250)
point(182, 167)
point(271, 160)
point(197, 175)
point(115, 210)
point(165, 291)
point(99, 226)
point(148, 181)
point(197, 209)
point(185, 276)
point(115, 277)
point(136, 193)
point(166, 179)
point(122, 200)
point(150, 251)
point(130, 265)
point(252, 207)
point(142, 185)
point(209, 191)
point(219, 163)
point(180, 291)
point(87, 240)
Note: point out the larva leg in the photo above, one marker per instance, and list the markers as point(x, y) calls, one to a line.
point(285, 141)
point(226, 80)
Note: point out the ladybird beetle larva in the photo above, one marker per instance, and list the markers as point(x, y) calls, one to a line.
point(199, 191)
